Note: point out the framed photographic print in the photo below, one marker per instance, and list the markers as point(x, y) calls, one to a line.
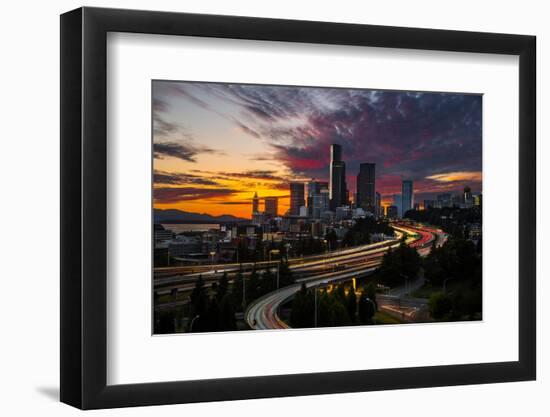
point(258, 207)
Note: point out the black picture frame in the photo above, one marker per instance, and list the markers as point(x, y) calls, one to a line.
point(84, 207)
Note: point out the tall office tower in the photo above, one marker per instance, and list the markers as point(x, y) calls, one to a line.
point(444, 200)
point(314, 188)
point(366, 198)
point(255, 204)
point(378, 205)
point(296, 197)
point(271, 206)
point(407, 196)
point(468, 199)
point(397, 203)
point(391, 212)
point(321, 203)
point(428, 204)
point(337, 178)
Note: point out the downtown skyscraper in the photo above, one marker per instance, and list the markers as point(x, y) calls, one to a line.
point(366, 197)
point(337, 178)
point(297, 197)
point(407, 196)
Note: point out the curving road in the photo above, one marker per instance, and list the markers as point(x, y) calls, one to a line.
point(310, 264)
point(263, 312)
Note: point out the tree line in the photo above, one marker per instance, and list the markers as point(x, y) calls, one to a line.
point(334, 308)
point(453, 220)
point(213, 309)
point(360, 233)
point(452, 272)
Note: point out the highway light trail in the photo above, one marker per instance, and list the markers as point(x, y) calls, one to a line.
point(262, 314)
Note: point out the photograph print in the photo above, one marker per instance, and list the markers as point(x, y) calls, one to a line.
point(294, 207)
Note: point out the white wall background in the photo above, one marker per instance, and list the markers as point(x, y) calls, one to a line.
point(29, 213)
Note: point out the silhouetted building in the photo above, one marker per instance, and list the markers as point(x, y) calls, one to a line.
point(272, 206)
point(428, 204)
point(444, 200)
point(468, 199)
point(255, 204)
point(407, 196)
point(391, 212)
point(397, 203)
point(314, 189)
point(378, 205)
point(297, 199)
point(337, 178)
point(321, 204)
point(366, 198)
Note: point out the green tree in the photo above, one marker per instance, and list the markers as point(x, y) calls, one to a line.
point(440, 305)
point(164, 322)
point(237, 292)
point(370, 290)
point(199, 306)
point(223, 286)
point(253, 290)
point(285, 274)
point(351, 304)
point(302, 312)
point(366, 309)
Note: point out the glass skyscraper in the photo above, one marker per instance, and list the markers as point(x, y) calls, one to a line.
point(407, 196)
point(337, 178)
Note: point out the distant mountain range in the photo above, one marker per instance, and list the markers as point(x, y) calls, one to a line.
point(178, 216)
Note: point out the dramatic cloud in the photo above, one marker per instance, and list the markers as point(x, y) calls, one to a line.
point(456, 176)
point(177, 178)
point(187, 152)
point(408, 134)
point(255, 174)
point(434, 139)
point(165, 195)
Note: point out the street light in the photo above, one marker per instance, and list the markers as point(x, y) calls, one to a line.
point(212, 254)
point(192, 322)
point(406, 283)
point(275, 251)
point(373, 309)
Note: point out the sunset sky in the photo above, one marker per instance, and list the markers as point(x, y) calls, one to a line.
point(216, 144)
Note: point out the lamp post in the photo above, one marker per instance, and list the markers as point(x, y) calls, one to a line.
point(315, 300)
point(276, 252)
point(373, 308)
point(212, 254)
point(406, 283)
point(192, 322)
point(244, 292)
point(288, 247)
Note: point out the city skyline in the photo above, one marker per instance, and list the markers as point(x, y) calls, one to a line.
point(215, 145)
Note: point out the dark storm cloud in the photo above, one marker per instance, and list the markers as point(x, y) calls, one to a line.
point(177, 178)
point(186, 152)
point(165, 195)
point(407, 134)
point(255, 174)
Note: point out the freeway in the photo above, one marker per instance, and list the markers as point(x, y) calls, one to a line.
point(197, 269)
point(263, 312)
point(182, 280)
